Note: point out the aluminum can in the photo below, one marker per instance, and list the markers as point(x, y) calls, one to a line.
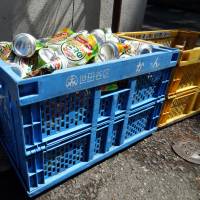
point(48, 56)
point(78, 50)
point(56, 63)
point(22, 66)
point(61, 35)
point(25, 45)
point(45, 56)
point(109, 51)
point(5, 50)
point(99, 35)
point(82, 32)
point(110, 37)
point(138, 48)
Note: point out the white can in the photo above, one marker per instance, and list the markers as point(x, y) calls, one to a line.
point(99, 35)
point(45, 56)
point(110, 37)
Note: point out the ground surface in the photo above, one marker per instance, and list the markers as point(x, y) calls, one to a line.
point(150, 170)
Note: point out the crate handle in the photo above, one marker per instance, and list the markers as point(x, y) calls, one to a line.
point(62, 141)
point(175, 57)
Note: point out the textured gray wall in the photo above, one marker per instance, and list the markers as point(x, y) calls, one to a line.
point(132, 14)
point(45, 17)
point(91, 14)
point(38, 17)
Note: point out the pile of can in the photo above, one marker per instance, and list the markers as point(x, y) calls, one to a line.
point(30, 57)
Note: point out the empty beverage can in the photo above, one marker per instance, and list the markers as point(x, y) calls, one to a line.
point(138, 48)
point(5, 50)
point(45, 55)
point(99, 35)
point(109, 51)
point(25, 45)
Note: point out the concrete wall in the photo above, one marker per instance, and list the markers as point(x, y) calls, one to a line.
point(132, 14)
point(45, 17)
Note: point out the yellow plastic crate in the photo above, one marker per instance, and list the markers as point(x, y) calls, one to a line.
point(186, 75)
point(184, 78)
point(179, 107)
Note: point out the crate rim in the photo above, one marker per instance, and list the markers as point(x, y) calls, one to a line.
point(18, 80)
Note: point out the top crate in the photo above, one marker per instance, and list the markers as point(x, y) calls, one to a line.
point(188, 41)
point(66, 81)
point(40, 112)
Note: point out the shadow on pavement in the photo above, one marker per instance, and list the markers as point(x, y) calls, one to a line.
point(10, 187)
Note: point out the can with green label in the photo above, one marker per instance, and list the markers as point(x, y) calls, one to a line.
point(78, 50)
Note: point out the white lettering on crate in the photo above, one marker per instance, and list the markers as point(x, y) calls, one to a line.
point(73, 80)
point(139, 66)
point(155, 64)
point(94, 76)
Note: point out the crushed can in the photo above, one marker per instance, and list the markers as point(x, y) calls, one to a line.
point(56, 63)
point(61, 36)
point(22, 66)
point(138, 48)
point(78, 50)
point(5, 50)
point(99, 35)
point(109, 51)
point(110, 37)
point(45, 55)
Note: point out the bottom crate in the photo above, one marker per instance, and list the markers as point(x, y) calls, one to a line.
point(179, 107)
point(66, 157)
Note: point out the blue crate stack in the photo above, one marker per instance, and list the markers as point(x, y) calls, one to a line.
point(57, 125)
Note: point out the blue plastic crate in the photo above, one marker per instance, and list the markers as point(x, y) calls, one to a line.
point(61, 159)
point(42, 112)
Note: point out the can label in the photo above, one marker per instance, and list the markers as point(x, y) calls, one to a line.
point(137, 48)
point(5, 50)
point(56, 64)
point(73, 51)
point(61, 35)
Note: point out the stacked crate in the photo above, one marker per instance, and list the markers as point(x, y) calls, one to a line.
point(183, 96)
point(57, 125)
